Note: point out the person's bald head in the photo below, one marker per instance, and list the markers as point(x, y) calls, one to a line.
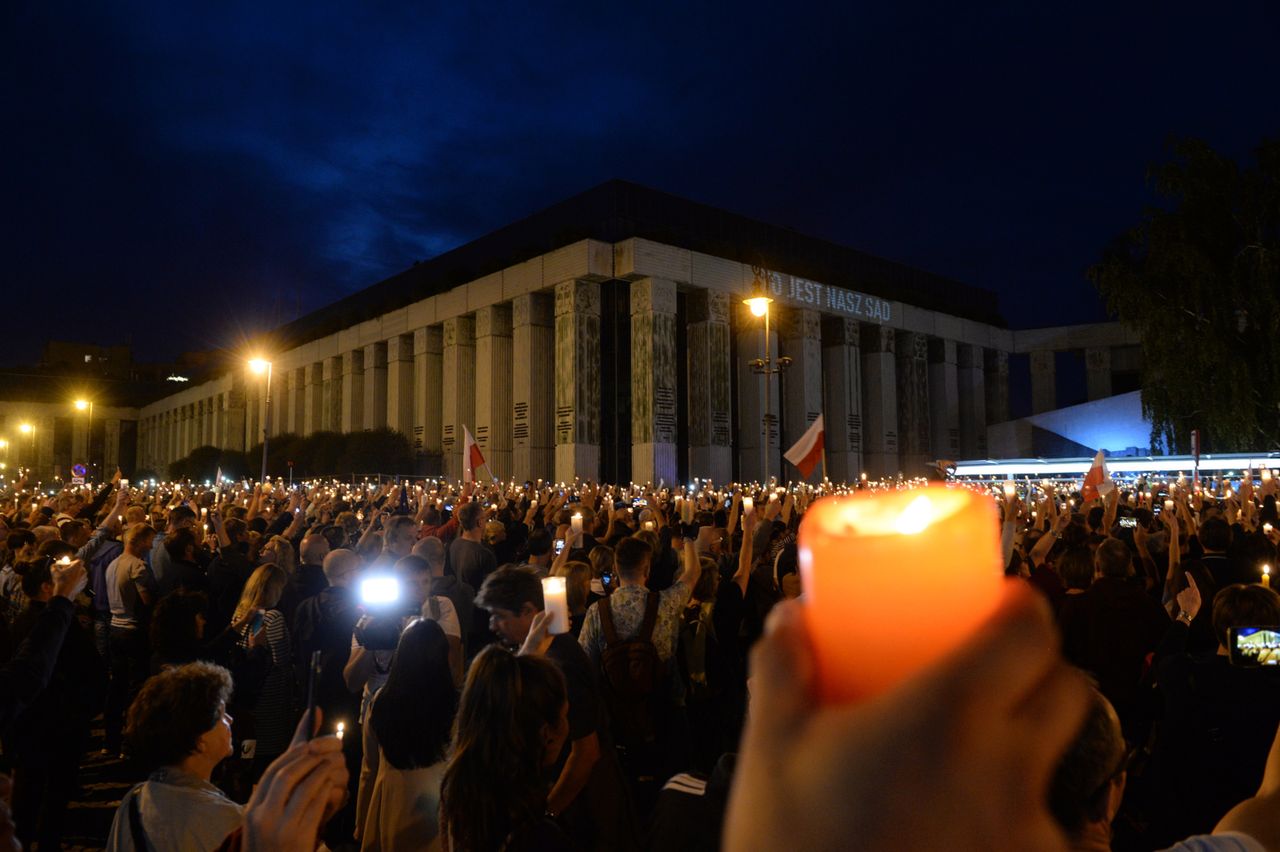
point(432, 550)
point(314, 549)
point(341, 567)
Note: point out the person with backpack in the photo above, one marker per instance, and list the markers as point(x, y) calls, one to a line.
point(630, 637)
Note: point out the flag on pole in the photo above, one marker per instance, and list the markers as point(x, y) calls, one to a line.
point(217, 487)
point(472, 458)
point(807, 452)
point(1097, 482)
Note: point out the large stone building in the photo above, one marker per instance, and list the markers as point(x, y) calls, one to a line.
point(606, 338)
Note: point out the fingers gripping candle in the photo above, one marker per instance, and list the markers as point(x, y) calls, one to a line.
point(893, 581)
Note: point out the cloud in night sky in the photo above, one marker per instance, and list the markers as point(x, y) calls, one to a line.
point(179, 176)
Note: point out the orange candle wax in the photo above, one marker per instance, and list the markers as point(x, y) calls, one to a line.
point(893, 581)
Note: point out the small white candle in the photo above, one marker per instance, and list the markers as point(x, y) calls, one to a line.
point(1168, 505)
point(555, 600)
point(575, 523)
point(1010, 489)
point(748, 505)
point(342, 729)
point(648, 525)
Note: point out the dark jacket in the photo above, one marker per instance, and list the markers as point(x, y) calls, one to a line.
point(1109, 631)
point(325, 623)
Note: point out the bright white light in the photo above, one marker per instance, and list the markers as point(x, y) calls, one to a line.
point(379, 590)
point(759, 305)
point(916, 517)
point(176, 378)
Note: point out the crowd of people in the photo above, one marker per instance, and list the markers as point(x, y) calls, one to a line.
point(380, 666)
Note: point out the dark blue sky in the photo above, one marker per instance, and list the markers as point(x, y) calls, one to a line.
point(174, 176)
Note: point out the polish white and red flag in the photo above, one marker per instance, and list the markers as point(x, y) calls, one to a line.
point(1097, 482)
point(807, 452)
point(472, 458)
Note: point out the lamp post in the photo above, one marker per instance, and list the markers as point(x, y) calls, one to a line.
point(87, 405)
point(766, 366)
point(258, 366)
point(28, 429)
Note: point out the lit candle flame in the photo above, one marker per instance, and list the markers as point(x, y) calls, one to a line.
point(342, 729)
point(916, 517)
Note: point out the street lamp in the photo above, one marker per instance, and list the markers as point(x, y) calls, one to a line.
point(766, 366)
point(28, 429)
point(258, 366)
point(87, 405)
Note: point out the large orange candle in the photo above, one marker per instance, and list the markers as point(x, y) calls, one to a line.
point(893, 581)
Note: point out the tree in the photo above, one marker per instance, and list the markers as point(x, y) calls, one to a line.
point(1199, 280)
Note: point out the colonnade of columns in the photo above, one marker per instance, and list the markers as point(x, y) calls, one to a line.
point(524, 375)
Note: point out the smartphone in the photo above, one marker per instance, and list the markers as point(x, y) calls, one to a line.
point(559, 546)
point(255, 624)
point(313, 678)
point(1128, 523)
point(639, 501)
point(1254, 646)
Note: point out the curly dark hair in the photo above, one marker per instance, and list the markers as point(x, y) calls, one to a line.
point(173, 710)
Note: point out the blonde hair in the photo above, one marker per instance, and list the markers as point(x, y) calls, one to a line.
point(285, 556)
point(262, 591)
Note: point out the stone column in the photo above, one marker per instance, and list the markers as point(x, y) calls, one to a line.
point(755, 446)
point(375, 386)
point(80, 440)
point(494, 387)
point(842, 383)
point(428, 398)
point(400, 384)
point(996, 381)
point(533, 341)
point(110, 445)
point(801, 341)
point(459, 390)
point(710, 369)
point(333, 394)
point(1044, 392)
point(206, 422)
point(220, 421)
point(973, 402)
point(235, 413)
point(296, 405)
point(653, 380)
point(353, 391)
point(879, 400)
point(577, 362)
point(912, 354)
point(1097, 365)
point(44, 447)
point(944, 399)
point(313, 406)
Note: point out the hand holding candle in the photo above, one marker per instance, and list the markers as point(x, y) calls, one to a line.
point(556, 602)
point(893, 581)
point(575, 524)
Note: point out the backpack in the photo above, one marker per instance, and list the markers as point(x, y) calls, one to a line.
point(632, 674)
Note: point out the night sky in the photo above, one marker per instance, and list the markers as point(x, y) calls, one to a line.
point(177, 177)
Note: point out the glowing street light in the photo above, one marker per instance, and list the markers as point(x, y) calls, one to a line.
point(258, 366)
point(766, 366)
point(87, 405)
point(26, 428)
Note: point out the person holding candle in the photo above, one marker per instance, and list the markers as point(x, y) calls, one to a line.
point(588, 796)
point(44, 744)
